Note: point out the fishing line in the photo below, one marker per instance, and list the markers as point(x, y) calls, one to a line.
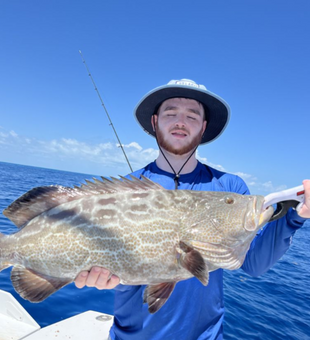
point(106, 111)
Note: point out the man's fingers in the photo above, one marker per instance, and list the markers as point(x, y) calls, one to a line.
point(80, 280)
point(105, 280)
point(101, 277)
point(112, 282)
point(94, 275)
point(98, 277)
point(305, 209)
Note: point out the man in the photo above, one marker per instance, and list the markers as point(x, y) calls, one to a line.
point(182, 115)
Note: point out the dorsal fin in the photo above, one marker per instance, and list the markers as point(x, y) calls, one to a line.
point(40, 199)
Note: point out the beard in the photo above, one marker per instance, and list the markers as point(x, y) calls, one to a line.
point(180, 150)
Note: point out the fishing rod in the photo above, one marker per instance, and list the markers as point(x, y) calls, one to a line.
point(106, 111)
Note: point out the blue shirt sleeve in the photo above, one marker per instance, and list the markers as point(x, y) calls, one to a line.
point(271, 243)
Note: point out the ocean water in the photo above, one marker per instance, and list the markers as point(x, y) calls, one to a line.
point(273, 306)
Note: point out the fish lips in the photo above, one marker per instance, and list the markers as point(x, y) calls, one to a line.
point(257, 216)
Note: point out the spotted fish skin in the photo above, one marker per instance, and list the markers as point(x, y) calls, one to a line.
point(139, 231)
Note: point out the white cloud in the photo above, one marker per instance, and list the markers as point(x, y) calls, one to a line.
point(73, 155)
point(245, 176)
point(3, 135)
point(205, 161)
point(263, 188)
point(270, 187)
point(132, 145)
point(103, 158)
point(255, 186)
point(201, 159)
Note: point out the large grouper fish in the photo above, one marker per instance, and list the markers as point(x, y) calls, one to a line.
point(142, 233)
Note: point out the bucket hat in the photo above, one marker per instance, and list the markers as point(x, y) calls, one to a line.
point(217, 110)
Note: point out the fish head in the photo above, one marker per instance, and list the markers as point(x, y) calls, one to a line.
point(226, 223)
point(252, 215)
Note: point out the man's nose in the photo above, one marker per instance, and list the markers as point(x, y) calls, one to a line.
point(180, 122)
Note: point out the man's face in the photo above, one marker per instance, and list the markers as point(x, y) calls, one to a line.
point(179, 125)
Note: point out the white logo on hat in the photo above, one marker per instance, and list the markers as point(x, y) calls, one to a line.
point(186, 82)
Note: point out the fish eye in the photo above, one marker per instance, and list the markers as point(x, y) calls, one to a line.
point(229, 200)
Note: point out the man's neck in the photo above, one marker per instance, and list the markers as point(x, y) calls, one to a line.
point(176, 161)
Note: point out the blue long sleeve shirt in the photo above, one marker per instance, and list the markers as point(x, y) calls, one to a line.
point(194, 311)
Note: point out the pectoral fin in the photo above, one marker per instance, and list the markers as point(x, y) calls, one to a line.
point(157, 295)
point(192, 260)
point(34, 286)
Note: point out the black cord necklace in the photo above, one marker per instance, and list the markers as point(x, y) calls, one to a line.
point(177, 175)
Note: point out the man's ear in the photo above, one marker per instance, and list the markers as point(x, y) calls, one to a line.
point(204, 126)
point(154, 121)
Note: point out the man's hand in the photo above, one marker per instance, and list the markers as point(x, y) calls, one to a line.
point(98, 277)
point(305, 210)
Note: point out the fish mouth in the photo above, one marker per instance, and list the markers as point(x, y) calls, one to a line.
point(258, 215)
point(265, 216)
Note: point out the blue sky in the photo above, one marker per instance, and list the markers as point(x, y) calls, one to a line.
point(254, 54)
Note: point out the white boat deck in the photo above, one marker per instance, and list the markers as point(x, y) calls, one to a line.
point(17, 324)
